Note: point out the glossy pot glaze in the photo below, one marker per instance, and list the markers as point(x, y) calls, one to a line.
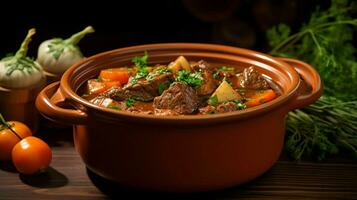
point(185, 153)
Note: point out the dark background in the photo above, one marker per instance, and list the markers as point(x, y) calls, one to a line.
point(121, 23)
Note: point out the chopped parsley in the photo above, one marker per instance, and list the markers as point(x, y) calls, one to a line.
point(192, 79)
point(213, 100)
point(162, 70)
point(240, 105)
point(129, 102)
point(216, 75)
point(227, 80)
point(140, 73)
point(140, 61)
point(157, 72)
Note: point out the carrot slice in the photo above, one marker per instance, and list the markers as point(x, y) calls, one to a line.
point(260, 97)
point(116, 74)
point(96, 87)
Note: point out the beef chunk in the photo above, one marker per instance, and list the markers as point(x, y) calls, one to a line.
point(250, 78)
point(180, 98)
point(209, 84)
point(143, 90)
point(200, 65)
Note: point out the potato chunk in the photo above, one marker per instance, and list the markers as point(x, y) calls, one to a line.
point(225, 93)
point(180, 63)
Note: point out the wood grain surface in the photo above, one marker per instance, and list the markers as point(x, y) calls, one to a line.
point(68, 179)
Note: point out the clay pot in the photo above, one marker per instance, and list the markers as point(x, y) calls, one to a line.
point(185, 153)
point(19, 105)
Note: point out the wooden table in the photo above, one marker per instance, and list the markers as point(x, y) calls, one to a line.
point(68, 179)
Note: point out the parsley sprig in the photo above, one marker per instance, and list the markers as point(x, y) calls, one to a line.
point(140, 63)
point(193, 79)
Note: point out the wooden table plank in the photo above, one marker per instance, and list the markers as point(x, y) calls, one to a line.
point(68, 179)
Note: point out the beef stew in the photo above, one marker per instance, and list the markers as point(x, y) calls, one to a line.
point(179, 88)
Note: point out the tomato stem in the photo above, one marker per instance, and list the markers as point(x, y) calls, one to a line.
point(7, 125)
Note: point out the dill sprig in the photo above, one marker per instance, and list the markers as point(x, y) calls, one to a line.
point(328, 126)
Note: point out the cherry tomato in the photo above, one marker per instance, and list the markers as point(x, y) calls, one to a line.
point(8, 138)
point(31, 155)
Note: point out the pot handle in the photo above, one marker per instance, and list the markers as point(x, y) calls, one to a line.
point(311, 86)
point(50, 99)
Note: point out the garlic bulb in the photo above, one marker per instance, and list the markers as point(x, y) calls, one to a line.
point(57, 55)
point(20, 71)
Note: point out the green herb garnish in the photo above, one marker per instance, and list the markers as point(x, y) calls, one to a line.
point(163, 70)
point(240, 105)
point(141, 61)
point(216, 75)
point(213, 100)
point(192, 79)
point(158, 72)
point(129, 102)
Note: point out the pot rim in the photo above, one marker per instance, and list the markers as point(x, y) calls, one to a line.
point(69, 93)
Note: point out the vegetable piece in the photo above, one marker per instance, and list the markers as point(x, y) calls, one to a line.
point(10, 135)
point(31, 155)
point(57, 55)
point(260, 97)
point(95, 86)
point(117, 74)
point(192, 79)
point(19, 71)
point(180, 63)
point(224, 93)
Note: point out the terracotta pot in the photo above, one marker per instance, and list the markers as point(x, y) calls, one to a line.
point(186, 153)
point(19, 105)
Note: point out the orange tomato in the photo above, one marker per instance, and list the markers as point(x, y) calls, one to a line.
point(31, 155)
point(96, 87)
point(116, 74)
point(8, 138)
point(261, 97)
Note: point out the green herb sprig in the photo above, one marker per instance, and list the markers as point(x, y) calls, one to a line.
point(192, 79)
point(328, 126)
point(141, 63)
